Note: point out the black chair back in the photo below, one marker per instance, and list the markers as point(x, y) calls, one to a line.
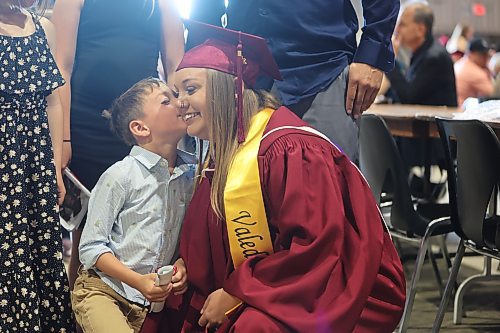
point(477, 173)
point(381, 164)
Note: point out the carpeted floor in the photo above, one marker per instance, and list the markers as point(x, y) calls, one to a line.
point(481, 302)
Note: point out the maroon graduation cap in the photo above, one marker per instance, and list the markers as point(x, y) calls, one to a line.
point(243, 55)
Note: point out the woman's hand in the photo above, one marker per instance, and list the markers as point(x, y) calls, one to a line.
point(61, 189)
point(146, 285)
point(214, 310)
point(179, 280)
point(66, 154)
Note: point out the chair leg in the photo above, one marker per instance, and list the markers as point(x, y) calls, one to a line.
point(435, 268)
point(410, 298)
point(399, 248)
point(444, 250)
point(446, 255)
point(449, 287)
point(459, 296)
point(397, 244)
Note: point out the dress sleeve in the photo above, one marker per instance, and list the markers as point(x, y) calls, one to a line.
point(328, 239)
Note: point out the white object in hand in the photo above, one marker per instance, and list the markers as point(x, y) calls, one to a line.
point(164, 277)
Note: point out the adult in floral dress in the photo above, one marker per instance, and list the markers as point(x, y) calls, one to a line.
point(34, 292)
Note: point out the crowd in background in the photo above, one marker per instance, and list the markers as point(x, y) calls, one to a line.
point(475, 65)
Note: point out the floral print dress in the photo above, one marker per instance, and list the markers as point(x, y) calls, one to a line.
point(34, 292)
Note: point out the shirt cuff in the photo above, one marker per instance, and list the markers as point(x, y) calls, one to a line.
point(375, 53)
point(89, 257)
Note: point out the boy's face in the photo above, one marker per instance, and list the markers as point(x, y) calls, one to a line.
point(161, 116)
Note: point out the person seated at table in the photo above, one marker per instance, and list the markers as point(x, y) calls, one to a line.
point(283, 233)
point(429, 80)
point(473, 76)
point(494, 66)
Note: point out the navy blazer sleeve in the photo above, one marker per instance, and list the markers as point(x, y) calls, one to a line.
point(375, 47)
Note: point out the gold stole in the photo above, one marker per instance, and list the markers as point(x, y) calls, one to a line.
point(246, 219)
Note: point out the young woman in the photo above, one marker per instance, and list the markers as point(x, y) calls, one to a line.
point(105, 47)
point(283, 233)
point(34, 293)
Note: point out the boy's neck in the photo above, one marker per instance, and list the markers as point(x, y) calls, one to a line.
point(167, 150)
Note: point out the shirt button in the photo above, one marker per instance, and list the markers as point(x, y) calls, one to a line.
point(263, 12)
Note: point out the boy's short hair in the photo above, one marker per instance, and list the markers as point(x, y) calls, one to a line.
point(129, 107)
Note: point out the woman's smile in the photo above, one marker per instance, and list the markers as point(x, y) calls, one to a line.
point(188, 117)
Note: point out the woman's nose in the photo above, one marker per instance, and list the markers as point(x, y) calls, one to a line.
point(183, 105)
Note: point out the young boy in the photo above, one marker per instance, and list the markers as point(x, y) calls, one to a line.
point(135, 214)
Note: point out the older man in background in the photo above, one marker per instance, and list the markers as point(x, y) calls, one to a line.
point(430, 79)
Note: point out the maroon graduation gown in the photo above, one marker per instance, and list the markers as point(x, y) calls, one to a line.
point(334, 267)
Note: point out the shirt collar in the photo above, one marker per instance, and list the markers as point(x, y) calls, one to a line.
point(185, 158)
point(145, 157)
point(150, 159)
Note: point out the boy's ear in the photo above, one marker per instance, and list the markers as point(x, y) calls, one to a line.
point(139, 128)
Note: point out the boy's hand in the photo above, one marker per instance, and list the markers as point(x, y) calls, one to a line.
point(179, 280)
point(146, 285)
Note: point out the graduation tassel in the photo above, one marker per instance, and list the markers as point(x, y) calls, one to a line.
point(239, 91)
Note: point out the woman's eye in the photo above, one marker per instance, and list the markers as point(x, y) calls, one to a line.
point(190, 90)
point(165, 102)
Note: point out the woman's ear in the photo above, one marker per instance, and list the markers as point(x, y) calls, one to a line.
point(139, 129)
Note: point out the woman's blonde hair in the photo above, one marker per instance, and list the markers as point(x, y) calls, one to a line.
point(222, 119)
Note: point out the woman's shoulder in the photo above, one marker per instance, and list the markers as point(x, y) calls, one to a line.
point(296, 140)
point(288, 134)
point(48, 29)
point(46, 23)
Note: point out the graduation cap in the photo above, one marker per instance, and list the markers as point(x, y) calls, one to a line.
point(233, 52)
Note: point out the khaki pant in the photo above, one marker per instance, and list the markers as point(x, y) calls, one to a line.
point(99, 309)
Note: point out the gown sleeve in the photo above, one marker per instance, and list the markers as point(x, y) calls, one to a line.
point(328, 239)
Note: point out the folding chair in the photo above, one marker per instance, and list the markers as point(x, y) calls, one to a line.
point(383, 167)
point(473, 189)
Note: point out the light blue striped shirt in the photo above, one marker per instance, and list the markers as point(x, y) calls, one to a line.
point(135, 212)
